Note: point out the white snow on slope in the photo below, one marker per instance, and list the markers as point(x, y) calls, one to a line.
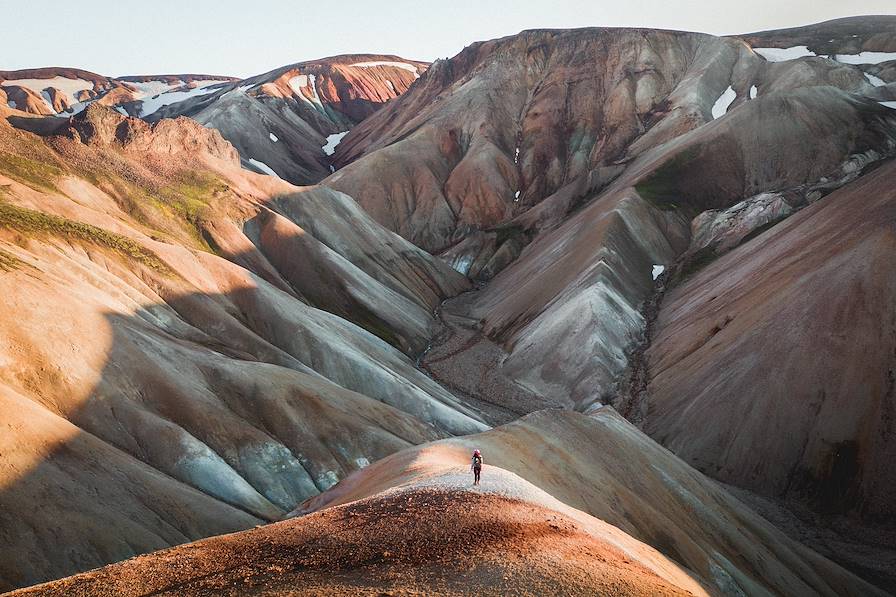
point(721, 106)
point(657, 271)
point(332, 141)
point(865, 57)
point(298, 82)
point(405, 66)
point(273, 137)
point(153, 104)
point(782, 54)
point(151, 88)
point(68, 87)
point(888, 104)
point(753, 91)
point(11, 104)
point(263, 167)
point(876, 81)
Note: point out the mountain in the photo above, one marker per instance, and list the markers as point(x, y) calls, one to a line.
point(412, 522)
point(646, 272)
point(66, 91)
point(287, 121)
point(569, 188)
point(190, 351)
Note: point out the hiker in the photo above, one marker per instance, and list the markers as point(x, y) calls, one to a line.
point(476, 466)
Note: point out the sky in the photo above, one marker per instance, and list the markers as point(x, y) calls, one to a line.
point(244, 38)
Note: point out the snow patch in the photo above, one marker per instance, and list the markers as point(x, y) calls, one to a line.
point(516, 196)
point(273, 137)
point(298, 82)
point(402, 65)
point(153, 104)
point(516, 155)
point(11, 104)
point(865, 57)
point(152, 88)
point(657, 270)
point(362, 462)
point(121, 110)
point(753, 91)
point(264, 167)
point(783, 54)
point(876, 81)
point(721, 106)
point(68, 87)
point(888, 104)
point(332, 141)
point(390, 85)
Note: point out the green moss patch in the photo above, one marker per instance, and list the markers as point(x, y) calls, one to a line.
point(33, 173)
point(32, 222)
point(177, 210)
point(661, 188)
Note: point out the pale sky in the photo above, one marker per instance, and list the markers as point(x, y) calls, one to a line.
point(245, 38)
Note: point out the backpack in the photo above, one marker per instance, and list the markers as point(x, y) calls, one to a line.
point(477, 461)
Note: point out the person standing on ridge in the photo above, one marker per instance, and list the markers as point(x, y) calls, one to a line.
point(476, 466)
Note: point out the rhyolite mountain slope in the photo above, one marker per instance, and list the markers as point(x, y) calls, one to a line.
point(190, 348)
point(689, 228)
point(566, 167)
point(289, 121)
point(569, 504)
point(57, 91)
point(286, 122)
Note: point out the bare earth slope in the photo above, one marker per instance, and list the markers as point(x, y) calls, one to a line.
point(158, 390)
point(790, 338)
point(413, 522)
point(627, 146)
point(290, 120)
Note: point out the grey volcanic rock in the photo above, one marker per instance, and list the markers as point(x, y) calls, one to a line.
point(283, 119)
point(722, 230)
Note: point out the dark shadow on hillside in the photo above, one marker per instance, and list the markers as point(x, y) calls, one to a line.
point(210, 415)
